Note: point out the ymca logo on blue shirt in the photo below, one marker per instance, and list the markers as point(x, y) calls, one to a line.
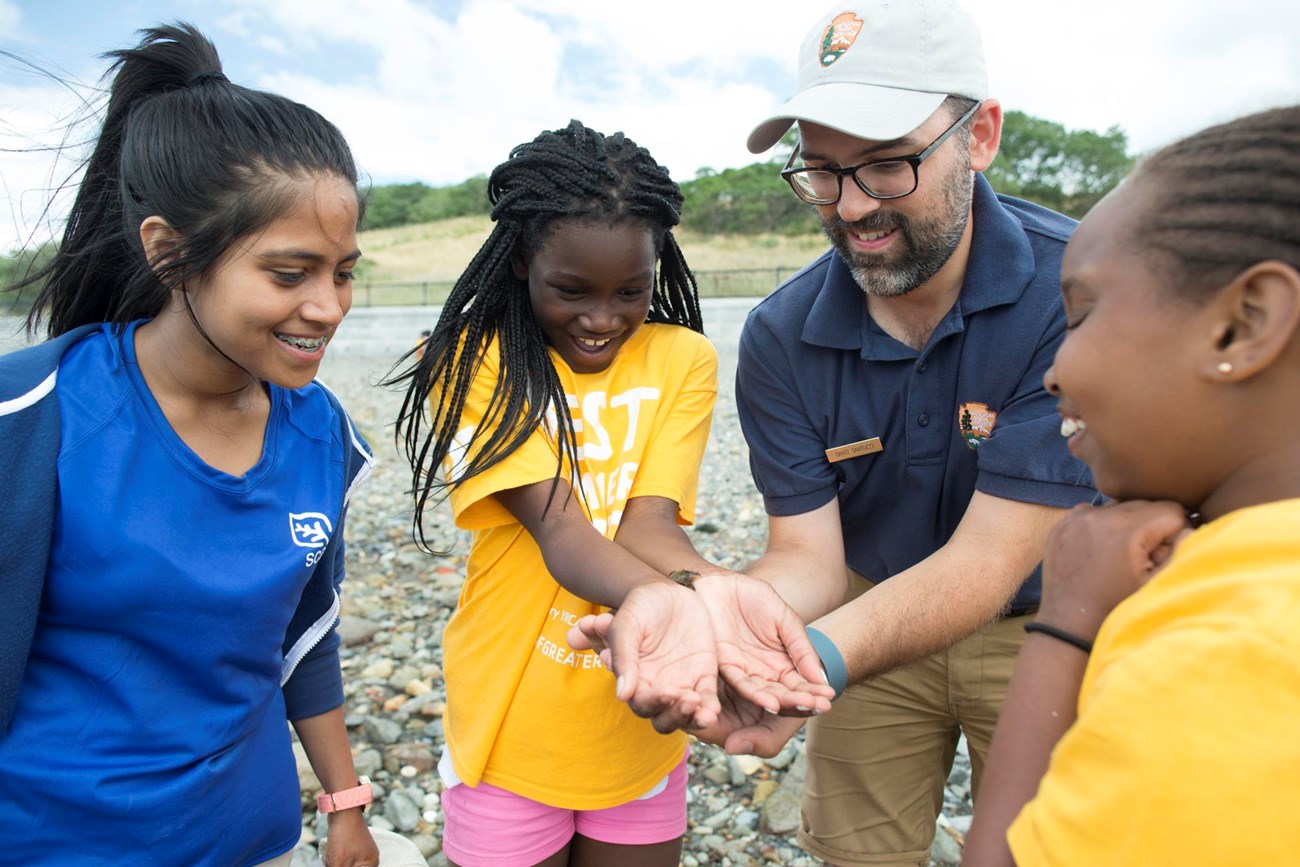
point(310, 530)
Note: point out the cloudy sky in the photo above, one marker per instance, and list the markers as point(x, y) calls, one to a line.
point(438, 90)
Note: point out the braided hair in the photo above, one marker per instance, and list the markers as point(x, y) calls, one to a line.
point(571, 175)
point(1224, 199)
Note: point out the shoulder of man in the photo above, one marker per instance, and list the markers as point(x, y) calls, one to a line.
point(1038, 220)
point(790, 302)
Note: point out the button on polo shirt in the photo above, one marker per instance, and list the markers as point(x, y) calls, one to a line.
point(967, 412)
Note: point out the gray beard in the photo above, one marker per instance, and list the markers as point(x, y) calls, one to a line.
point(928, 245)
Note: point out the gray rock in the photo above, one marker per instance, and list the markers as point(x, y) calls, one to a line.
point(356, 630)
point(713, 842)
point(781, 810)
point(719, 820)
point(735, 773)
point(368, 762)
point(718, 774)
point(401, 811)
point(428, 845)
point(414, 755)
point(782, 760)
point(746, 821)
point(384, 731)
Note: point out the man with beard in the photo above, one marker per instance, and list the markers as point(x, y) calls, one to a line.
point(892, 397)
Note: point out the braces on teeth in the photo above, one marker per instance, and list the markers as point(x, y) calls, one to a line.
point(302, 342)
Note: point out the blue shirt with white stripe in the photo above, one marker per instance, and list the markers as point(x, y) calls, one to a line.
point(150, 717)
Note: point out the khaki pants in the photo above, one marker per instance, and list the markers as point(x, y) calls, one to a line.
point(879, 761)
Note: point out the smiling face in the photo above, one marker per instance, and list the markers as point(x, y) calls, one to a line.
point(1132, 398)
point(590, 286)
point(896, 245)
point(271, 302)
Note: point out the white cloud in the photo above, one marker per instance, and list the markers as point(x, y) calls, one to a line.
point(1159, 69)
point(11, 19)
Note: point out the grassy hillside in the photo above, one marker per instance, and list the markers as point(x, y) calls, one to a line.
point(435, 254)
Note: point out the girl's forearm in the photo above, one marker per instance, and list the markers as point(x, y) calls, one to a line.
point(649, 530)
point(591, 566)
point(325, 740)
point(1040, 706)
point(577, 555)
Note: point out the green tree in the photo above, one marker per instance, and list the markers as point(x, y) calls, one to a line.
point(16, 266)
point(1066, 170)
point(403, 204)
point(748, 200)
point(393, 204)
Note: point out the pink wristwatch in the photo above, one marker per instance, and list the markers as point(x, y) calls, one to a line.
point(358, 796)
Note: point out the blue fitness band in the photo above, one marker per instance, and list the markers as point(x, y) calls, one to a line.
point(832, 661)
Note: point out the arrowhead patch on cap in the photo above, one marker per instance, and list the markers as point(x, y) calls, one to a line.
point(839, 37)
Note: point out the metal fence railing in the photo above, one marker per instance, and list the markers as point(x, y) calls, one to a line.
point(736, 283)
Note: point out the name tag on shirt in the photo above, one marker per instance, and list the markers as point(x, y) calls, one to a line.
point(853, 450)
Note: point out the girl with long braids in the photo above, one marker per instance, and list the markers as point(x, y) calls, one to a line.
point(171, 536)
point(1151, 718)
point(569, 391)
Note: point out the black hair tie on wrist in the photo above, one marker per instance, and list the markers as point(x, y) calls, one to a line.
point(207, 76)
point(1059, 634)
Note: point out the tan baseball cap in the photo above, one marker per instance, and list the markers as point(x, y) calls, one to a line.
point(877, 70)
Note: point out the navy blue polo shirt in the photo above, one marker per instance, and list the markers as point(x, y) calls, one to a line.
point(967, 412)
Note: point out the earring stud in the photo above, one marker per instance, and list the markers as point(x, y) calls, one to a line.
point(1225, 367)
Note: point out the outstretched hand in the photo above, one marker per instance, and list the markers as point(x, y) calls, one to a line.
point(763, 652)
point(661, 647)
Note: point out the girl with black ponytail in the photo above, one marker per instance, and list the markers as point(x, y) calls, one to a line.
point(171, 535)
point(564, 401)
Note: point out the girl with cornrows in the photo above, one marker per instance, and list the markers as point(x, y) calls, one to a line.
point(569, 392)
point(1152, 715)
point(171, 537)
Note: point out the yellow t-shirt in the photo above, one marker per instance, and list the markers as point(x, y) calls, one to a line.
point(524, 711)
point(1187, 746)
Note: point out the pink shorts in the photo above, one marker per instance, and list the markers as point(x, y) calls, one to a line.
point(490, 827)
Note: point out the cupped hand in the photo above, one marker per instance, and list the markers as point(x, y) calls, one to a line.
point(745, 728)
point(1096, 557)
point(763, 652)
point(661, 647)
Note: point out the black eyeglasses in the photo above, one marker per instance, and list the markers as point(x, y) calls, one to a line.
point(892, 178)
